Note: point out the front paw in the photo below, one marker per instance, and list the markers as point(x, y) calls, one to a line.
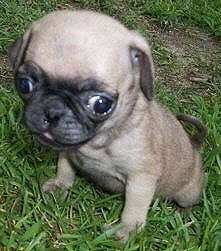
point(120, 231)
point(52, 185)
point(123, 235)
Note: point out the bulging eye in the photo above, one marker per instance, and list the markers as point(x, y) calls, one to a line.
point(25, 85)
point(100, 105)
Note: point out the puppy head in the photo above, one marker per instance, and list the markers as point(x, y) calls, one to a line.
point(79, 74)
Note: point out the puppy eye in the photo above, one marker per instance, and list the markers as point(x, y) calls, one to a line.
point(100, 105)
point(25, 85)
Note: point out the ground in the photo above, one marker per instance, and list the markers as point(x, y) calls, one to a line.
point(192, 48)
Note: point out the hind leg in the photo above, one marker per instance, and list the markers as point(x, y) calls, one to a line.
point(190, 194)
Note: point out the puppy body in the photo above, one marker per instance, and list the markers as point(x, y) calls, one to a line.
point(160, 171)
point(127, 142)
point(171, 174)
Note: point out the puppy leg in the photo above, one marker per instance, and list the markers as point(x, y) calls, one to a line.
point(64, 178)
point(139, 194)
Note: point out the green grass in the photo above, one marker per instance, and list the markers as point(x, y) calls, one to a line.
point(201, 13)
point(30, 220)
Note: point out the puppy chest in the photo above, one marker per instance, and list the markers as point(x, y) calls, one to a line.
point(96, 167)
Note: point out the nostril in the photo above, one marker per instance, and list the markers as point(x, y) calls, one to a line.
point(45, 121)
point(52, 115)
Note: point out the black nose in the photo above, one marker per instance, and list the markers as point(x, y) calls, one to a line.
point(53, 114)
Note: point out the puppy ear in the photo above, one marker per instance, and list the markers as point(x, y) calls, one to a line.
point(16, 52)
point(141, 58)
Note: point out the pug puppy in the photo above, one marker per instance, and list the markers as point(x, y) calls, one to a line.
point(87, 86)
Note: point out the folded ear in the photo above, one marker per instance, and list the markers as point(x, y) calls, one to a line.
point(141, 58)
point(16, 52)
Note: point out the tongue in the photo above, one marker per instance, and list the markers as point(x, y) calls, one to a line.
point(48, 135)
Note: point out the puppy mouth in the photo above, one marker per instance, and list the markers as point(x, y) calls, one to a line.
point(47, 139)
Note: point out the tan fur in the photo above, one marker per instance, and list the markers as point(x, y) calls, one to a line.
point(142, 144)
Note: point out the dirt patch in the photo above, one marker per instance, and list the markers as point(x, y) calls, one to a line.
point(5, 71)
point(199, 57)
